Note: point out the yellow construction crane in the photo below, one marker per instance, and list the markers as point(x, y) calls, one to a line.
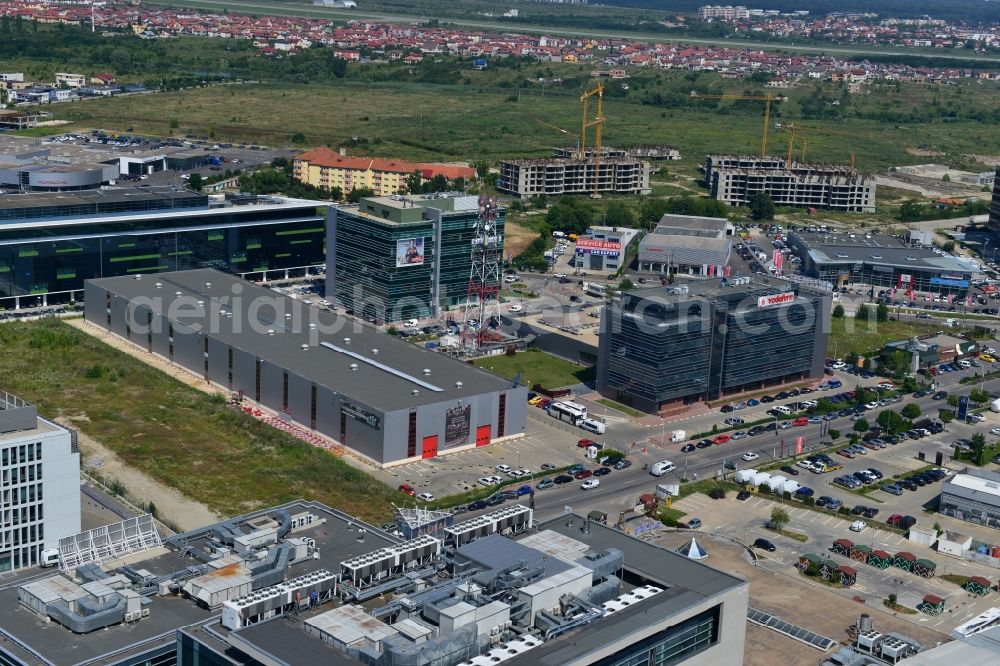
point(767, 99)
point(800, 132)
point(598, 124)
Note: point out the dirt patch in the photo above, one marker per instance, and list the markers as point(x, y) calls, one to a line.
point(517, 238)
point(171, 506)
point(793, 599)
point(920, 152)
point(986, 160)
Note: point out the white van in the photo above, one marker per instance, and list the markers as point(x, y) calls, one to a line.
point(49, 558)
point(784, 410)
point(593, 426)
point(662, 467)
point(964, 364)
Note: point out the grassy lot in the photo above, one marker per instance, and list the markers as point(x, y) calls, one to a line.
point(483, 121)
point(848, 335)
point(538, 368)
point(619, 407)
point(178, 435)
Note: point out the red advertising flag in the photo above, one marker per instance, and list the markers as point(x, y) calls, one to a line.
point(800, 443)
point(728, 269)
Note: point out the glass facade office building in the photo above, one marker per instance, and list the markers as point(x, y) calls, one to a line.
point(402, 257)
point(659, 350)
point(50, 244)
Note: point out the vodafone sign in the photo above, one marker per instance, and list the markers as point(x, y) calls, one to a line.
point(776, 299)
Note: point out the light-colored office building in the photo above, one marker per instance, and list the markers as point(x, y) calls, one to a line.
point(40, 469)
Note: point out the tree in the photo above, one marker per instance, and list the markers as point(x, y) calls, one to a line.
point(911, 411)
point(298, 137)
point(651, 210)
point(482, 169)
point(626, 285)
point(618, 214)
point(834, 434)
point(898, 363)
point(881, 312)
point(953, 400)
point(979, 449)
point(838, 311)
point(978, 396)
point(949, 246)
point(861, 425)
point(762, 206)
point(196, 182)
point(338, 66)
point(779, 518)
point(359, 193)
point(861, 314)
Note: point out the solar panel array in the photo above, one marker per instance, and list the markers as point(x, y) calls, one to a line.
point(821, 643)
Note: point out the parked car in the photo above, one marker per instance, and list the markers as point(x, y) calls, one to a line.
point(687, 448)
point(583, 474)
point(858, 525)
point(764, 544)
point(425, 497)
point(624, 463)
point(562, 478)
point(602, 471)
point(545, 484)
point(478, 505)
point(788, 469)
point(693, 524)
point(408, 489)
point(892, 489)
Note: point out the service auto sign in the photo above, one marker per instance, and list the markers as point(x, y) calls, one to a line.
point(776, 299)
point(589, 246)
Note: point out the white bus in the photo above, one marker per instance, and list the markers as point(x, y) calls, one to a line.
point(570, 412)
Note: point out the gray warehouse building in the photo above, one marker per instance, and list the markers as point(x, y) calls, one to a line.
point(686, 244)
point(663, 349)
point(384, 399)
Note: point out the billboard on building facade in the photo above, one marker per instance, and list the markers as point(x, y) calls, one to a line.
point(457, 423)
point(409, 252)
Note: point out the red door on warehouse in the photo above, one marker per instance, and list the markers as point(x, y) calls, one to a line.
point(430, 446)
point(482, 435)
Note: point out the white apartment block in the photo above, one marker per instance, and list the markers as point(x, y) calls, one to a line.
point(40, 479)
point(727, 12)
point(12, 77)
point(71, 80)
point(735, 179)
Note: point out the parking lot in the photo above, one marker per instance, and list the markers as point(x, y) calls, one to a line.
point(744, 521)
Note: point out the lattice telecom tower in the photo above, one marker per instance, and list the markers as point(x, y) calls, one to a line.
point(482, 302)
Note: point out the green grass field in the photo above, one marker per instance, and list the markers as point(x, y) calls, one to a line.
point(464, 123)
point(848, 335)
point(538, 368)
point(180, 436)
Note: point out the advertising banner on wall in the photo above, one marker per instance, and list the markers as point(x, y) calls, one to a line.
point(598, 247)
point(457, 423)
point(409, 252)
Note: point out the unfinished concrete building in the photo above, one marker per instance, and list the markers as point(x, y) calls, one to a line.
point(568, 174)
point(735, 179)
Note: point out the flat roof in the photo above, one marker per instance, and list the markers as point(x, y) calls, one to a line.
point(686, 582)
point(878, 249)
point(387, 371)
point(52, 642)
point(713, 289)
point(104, 196)
point(679, 224)
point(42, 427)
point(980, 485)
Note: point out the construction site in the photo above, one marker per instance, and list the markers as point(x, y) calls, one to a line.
point(789, 180)
point(592, 170)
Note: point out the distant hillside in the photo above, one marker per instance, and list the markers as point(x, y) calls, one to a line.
point(974, 11)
